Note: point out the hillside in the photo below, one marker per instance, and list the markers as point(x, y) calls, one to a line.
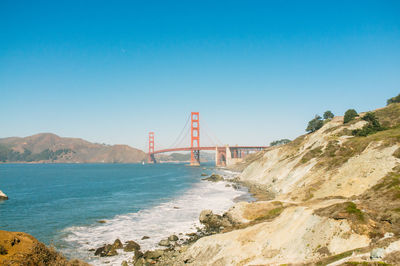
point(326, 198)
point(48, 147)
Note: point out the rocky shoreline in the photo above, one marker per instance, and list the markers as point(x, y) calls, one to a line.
point(3, 196)
point(172, 248)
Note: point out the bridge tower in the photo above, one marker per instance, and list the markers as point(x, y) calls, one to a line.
point(195, 139)
point(151, 158)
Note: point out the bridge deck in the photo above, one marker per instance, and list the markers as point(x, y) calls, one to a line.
point(211, 148)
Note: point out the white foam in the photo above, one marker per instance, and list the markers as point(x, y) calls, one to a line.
point(179, 215)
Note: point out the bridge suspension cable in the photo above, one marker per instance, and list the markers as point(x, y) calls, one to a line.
point(213, 138)
point(174, 144)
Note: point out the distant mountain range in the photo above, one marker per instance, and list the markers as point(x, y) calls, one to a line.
point(50, 148)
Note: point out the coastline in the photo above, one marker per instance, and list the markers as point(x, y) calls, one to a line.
point(181, 218)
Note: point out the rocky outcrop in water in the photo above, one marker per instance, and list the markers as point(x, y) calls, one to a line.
point(214, 178)
point(3, 196)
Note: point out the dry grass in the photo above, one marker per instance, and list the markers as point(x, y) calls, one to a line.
point(389, 116)
point(314, 153)
point(259, 210)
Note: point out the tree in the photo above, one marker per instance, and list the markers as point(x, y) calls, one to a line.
point(349, 115)
point(328, 115)
point(393, 100)
point(372, 127)
point(315, 124)
point(279, 142)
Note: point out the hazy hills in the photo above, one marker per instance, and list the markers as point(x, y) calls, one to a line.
point(47, 147)
point(184, 157)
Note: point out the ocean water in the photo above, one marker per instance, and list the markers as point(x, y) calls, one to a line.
point(61, 204)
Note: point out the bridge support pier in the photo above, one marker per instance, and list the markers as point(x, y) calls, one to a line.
point(151, 158)
point(195, 139)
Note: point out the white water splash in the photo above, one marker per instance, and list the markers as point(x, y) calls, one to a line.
point(178, 216)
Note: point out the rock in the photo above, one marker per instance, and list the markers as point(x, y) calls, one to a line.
point(140, 262)
point(124, 263)
point(15, 241)
point(131, 246)
point(214, 178)
point(111, 252)
point(145, 237)
point(138, 254)
point(117, 244)
point(377, 253)
point(173, 238)
point(153, 254)
point(3, 196)
point(213, 222)
point(227, 185)
point(101, 222)
point(203, 174)
point(99, 251)
point(106, 251)
point(137, 259)
point(164, 243)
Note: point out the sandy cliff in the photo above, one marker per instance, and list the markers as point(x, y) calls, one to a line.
point(339, 199)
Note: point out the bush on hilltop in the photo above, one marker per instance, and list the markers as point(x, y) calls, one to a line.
point(372, 127)
point(315, 124)
point(280, 142)
point(349, 115)
point(393, 100)
point(328, 115)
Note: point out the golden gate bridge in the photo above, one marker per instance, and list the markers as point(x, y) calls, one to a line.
point(224, 155)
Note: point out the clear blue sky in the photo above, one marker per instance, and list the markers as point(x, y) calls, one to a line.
point(110, 71)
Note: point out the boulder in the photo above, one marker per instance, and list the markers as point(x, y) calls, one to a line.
point(213, 222)
point(131, 246)
point(106, 251)
point(3, 196)
point(164, 243)
point(145, 237)
point(124, 263)
point(203, 174)
point(153, 254)
point(173, 238)
point(214, 178)
point(117, 244)
point(137, 259)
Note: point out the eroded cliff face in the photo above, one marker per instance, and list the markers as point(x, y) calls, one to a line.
point(338, 200)
point(325, 163)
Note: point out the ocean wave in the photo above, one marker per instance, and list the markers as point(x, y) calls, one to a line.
point(176, 216)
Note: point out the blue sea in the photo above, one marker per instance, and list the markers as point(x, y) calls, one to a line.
point(62, 204)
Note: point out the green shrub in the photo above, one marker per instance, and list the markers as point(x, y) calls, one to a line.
point(328, 115)
point(372, 127)
point(315, 124)
point(349, 115)
point(393, 100)
point(279, 142)
point(351, 208)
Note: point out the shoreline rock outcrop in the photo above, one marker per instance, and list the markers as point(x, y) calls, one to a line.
point(3, 196)
point(17, 248)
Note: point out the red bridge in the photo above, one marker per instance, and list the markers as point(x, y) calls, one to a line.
point(224, 155)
